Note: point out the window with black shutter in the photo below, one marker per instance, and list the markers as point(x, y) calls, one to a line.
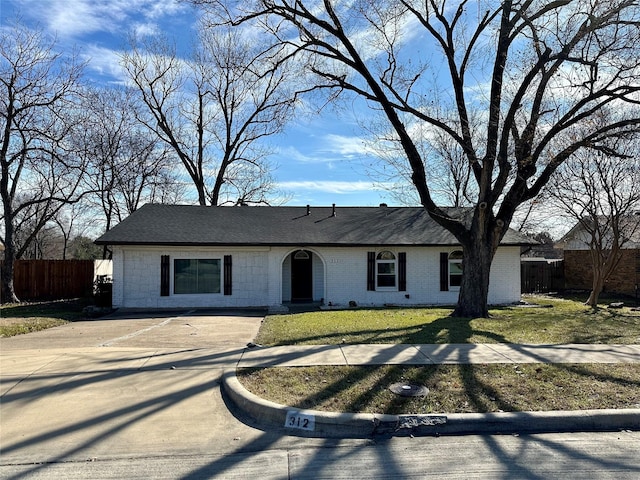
point(444, 272)
point(402, 271)
point(227, 275)
point(165, 276)
point(371, 271)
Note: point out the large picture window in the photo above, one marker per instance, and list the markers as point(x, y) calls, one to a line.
point(196, 276)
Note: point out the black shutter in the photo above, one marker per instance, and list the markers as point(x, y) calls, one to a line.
point(165, 276)
point(227, 275)
point(402, 271)
point(444, 272)
point(371, 271)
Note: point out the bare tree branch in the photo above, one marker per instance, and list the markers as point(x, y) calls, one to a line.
point(214, 109)
point(536, 73)
point(40, 173)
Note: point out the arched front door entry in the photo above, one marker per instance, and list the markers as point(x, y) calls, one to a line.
point(302, 276)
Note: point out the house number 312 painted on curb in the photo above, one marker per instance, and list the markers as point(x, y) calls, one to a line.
point(300, 421)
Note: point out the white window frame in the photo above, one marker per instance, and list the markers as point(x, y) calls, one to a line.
point(386, 261)
point(455, 258)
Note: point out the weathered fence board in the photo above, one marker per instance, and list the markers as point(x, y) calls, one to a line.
point(53, 279)
point(541, 276)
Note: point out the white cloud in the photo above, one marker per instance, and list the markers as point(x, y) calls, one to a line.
point(372, 43)
point(347, 146)
point(145, 29)
point(162, 8)
point(330, 148)
point(78, 17)
point(105, 62)
point(330, 186)
point(292, 153)
point(74, 18)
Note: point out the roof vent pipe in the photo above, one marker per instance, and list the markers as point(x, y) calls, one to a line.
point(308, 209)
point(383, 205)
point(333, 212)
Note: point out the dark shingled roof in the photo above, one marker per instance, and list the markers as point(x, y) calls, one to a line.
point(183, 225)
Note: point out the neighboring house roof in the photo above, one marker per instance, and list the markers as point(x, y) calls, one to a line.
point(183, 225)
point(578, 237)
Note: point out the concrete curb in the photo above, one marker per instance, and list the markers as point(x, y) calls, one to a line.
point(313, 423)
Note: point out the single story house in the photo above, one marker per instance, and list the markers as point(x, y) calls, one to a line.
point(168, 256)
point(578, 267)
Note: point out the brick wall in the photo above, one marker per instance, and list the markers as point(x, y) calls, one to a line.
point(345, 271)
point(136, 272)
point(578, 272)
point(340, 276)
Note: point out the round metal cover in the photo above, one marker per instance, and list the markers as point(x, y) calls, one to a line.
point(405, 389)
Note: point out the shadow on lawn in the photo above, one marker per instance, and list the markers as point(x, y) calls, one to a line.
point(471, 387)
point(84, 435)
point(449, 332)
point(69, 310)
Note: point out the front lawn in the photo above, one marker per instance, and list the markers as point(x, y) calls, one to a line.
point(16, 319)
point(453, 388)
point(552, 321)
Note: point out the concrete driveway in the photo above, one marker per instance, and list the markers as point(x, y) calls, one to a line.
point(131, 384)
point(139, 329)
point(138, 396)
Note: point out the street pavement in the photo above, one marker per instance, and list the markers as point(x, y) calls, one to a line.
point(145, 388)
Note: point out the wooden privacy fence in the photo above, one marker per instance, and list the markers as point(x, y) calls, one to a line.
point(539, 276)
point(53, 279)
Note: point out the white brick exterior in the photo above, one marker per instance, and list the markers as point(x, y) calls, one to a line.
point(261, 277)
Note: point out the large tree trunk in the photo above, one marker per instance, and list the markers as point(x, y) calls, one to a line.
point(202, 195)
point(8, 294)
point(479, 245)
point(597, 282)
point(474, 290)
point(8, 291)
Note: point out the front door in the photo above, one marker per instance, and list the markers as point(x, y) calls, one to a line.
point(301, 276)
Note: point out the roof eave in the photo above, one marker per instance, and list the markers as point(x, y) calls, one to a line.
point(289, 244)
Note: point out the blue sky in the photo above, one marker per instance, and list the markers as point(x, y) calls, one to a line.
point(321, 160)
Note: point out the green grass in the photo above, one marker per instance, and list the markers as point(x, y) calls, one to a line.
point(17, 319)
point(452, 388)
point(558, 321)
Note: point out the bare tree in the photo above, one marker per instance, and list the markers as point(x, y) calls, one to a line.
point(449, 173)
point(72, 221)
point(36, 235)
point(533, 70)
point(83, 248)
point(129, 167)
point(599, 189)
point(215, 109)
point(37, 116)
